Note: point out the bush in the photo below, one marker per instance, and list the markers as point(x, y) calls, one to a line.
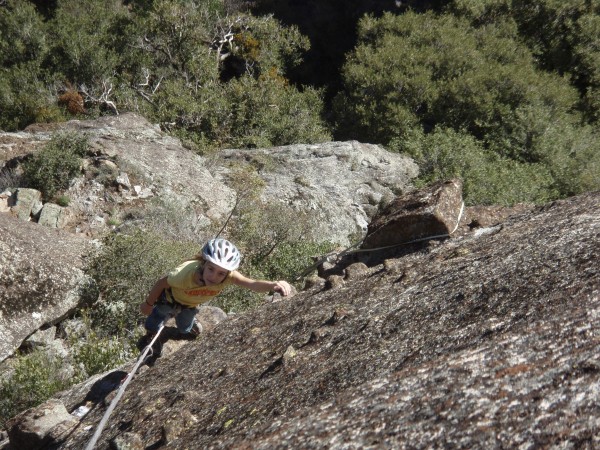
point(23, 36)
point(418, 73)
point(563, 37)
point(243, 113)
point(24, 98)
point(488, 178)
point(96, 353)
point(52, 168)
point(91, 57)
point(290, 259)
point(223, 93)
point(36, 377)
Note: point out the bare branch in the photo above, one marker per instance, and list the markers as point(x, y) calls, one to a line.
point(103, 99)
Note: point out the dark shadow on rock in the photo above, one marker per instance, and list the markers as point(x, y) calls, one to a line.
point(173, 334)
point(104, 386)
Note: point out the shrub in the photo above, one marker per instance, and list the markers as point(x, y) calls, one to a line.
point(488, 178)
point(428, 72)
point(290, 259)
point(90, 58)
point(96, 353)
point(52, 168)
point(23, 36)
point(36, 377)
point(24, 98)
point(63, 200)
point(286, 262)
point(72, 101)
point(9, 179)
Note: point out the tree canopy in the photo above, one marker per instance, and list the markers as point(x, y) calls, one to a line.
point(500, 92)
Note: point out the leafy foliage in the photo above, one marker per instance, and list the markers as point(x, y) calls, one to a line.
point(125, 268)
point(35, 378)
point(52, 168)
point(235, 94)
point(22, 38)
point(488, 178)
point(426, 71)
point(95, 352)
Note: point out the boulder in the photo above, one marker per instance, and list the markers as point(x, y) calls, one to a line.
point(340, 185)
point(41, 427)
point(210, 316)
point(434, 211)
point(27, 203)
point(41, 279)
point(54, 216)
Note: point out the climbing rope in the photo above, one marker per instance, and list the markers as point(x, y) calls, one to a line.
point(115, 400)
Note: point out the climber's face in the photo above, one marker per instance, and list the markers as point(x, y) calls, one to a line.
point(213, 274)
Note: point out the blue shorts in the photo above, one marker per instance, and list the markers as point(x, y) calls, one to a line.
point(163, 310)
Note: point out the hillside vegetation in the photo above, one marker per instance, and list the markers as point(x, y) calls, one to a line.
point(503, 93)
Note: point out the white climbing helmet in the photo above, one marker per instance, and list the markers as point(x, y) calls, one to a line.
point(222, 253)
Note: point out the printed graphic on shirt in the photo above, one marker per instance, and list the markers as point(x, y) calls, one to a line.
point(201, 292)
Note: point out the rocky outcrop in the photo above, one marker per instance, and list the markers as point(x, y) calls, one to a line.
point(434, 211)
point(41, 278)
point(42, 427)
point(485, 340)
point(148, 163)
point(339, 185)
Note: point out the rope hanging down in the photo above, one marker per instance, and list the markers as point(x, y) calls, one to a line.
point(348, 250)
point(115, 400)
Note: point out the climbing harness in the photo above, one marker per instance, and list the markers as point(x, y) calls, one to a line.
point(115, 400)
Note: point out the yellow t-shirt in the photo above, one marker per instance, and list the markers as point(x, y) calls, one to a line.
point(186, 291)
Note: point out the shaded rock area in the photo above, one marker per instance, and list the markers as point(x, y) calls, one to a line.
point(41, 427)
point(434, 211)
point(486, 340)
point(41, 278)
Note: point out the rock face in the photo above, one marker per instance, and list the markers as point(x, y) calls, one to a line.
point(486, 340)
point(149, 164)
point(40, 277)
point(340, 184)
point(47, 426)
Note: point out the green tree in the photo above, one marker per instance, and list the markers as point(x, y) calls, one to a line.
point(487, 177)
point(24, 96)
point(427, 71)
point(22, 34)
point(220, 81)
point(85, 51)
point(564, 37)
